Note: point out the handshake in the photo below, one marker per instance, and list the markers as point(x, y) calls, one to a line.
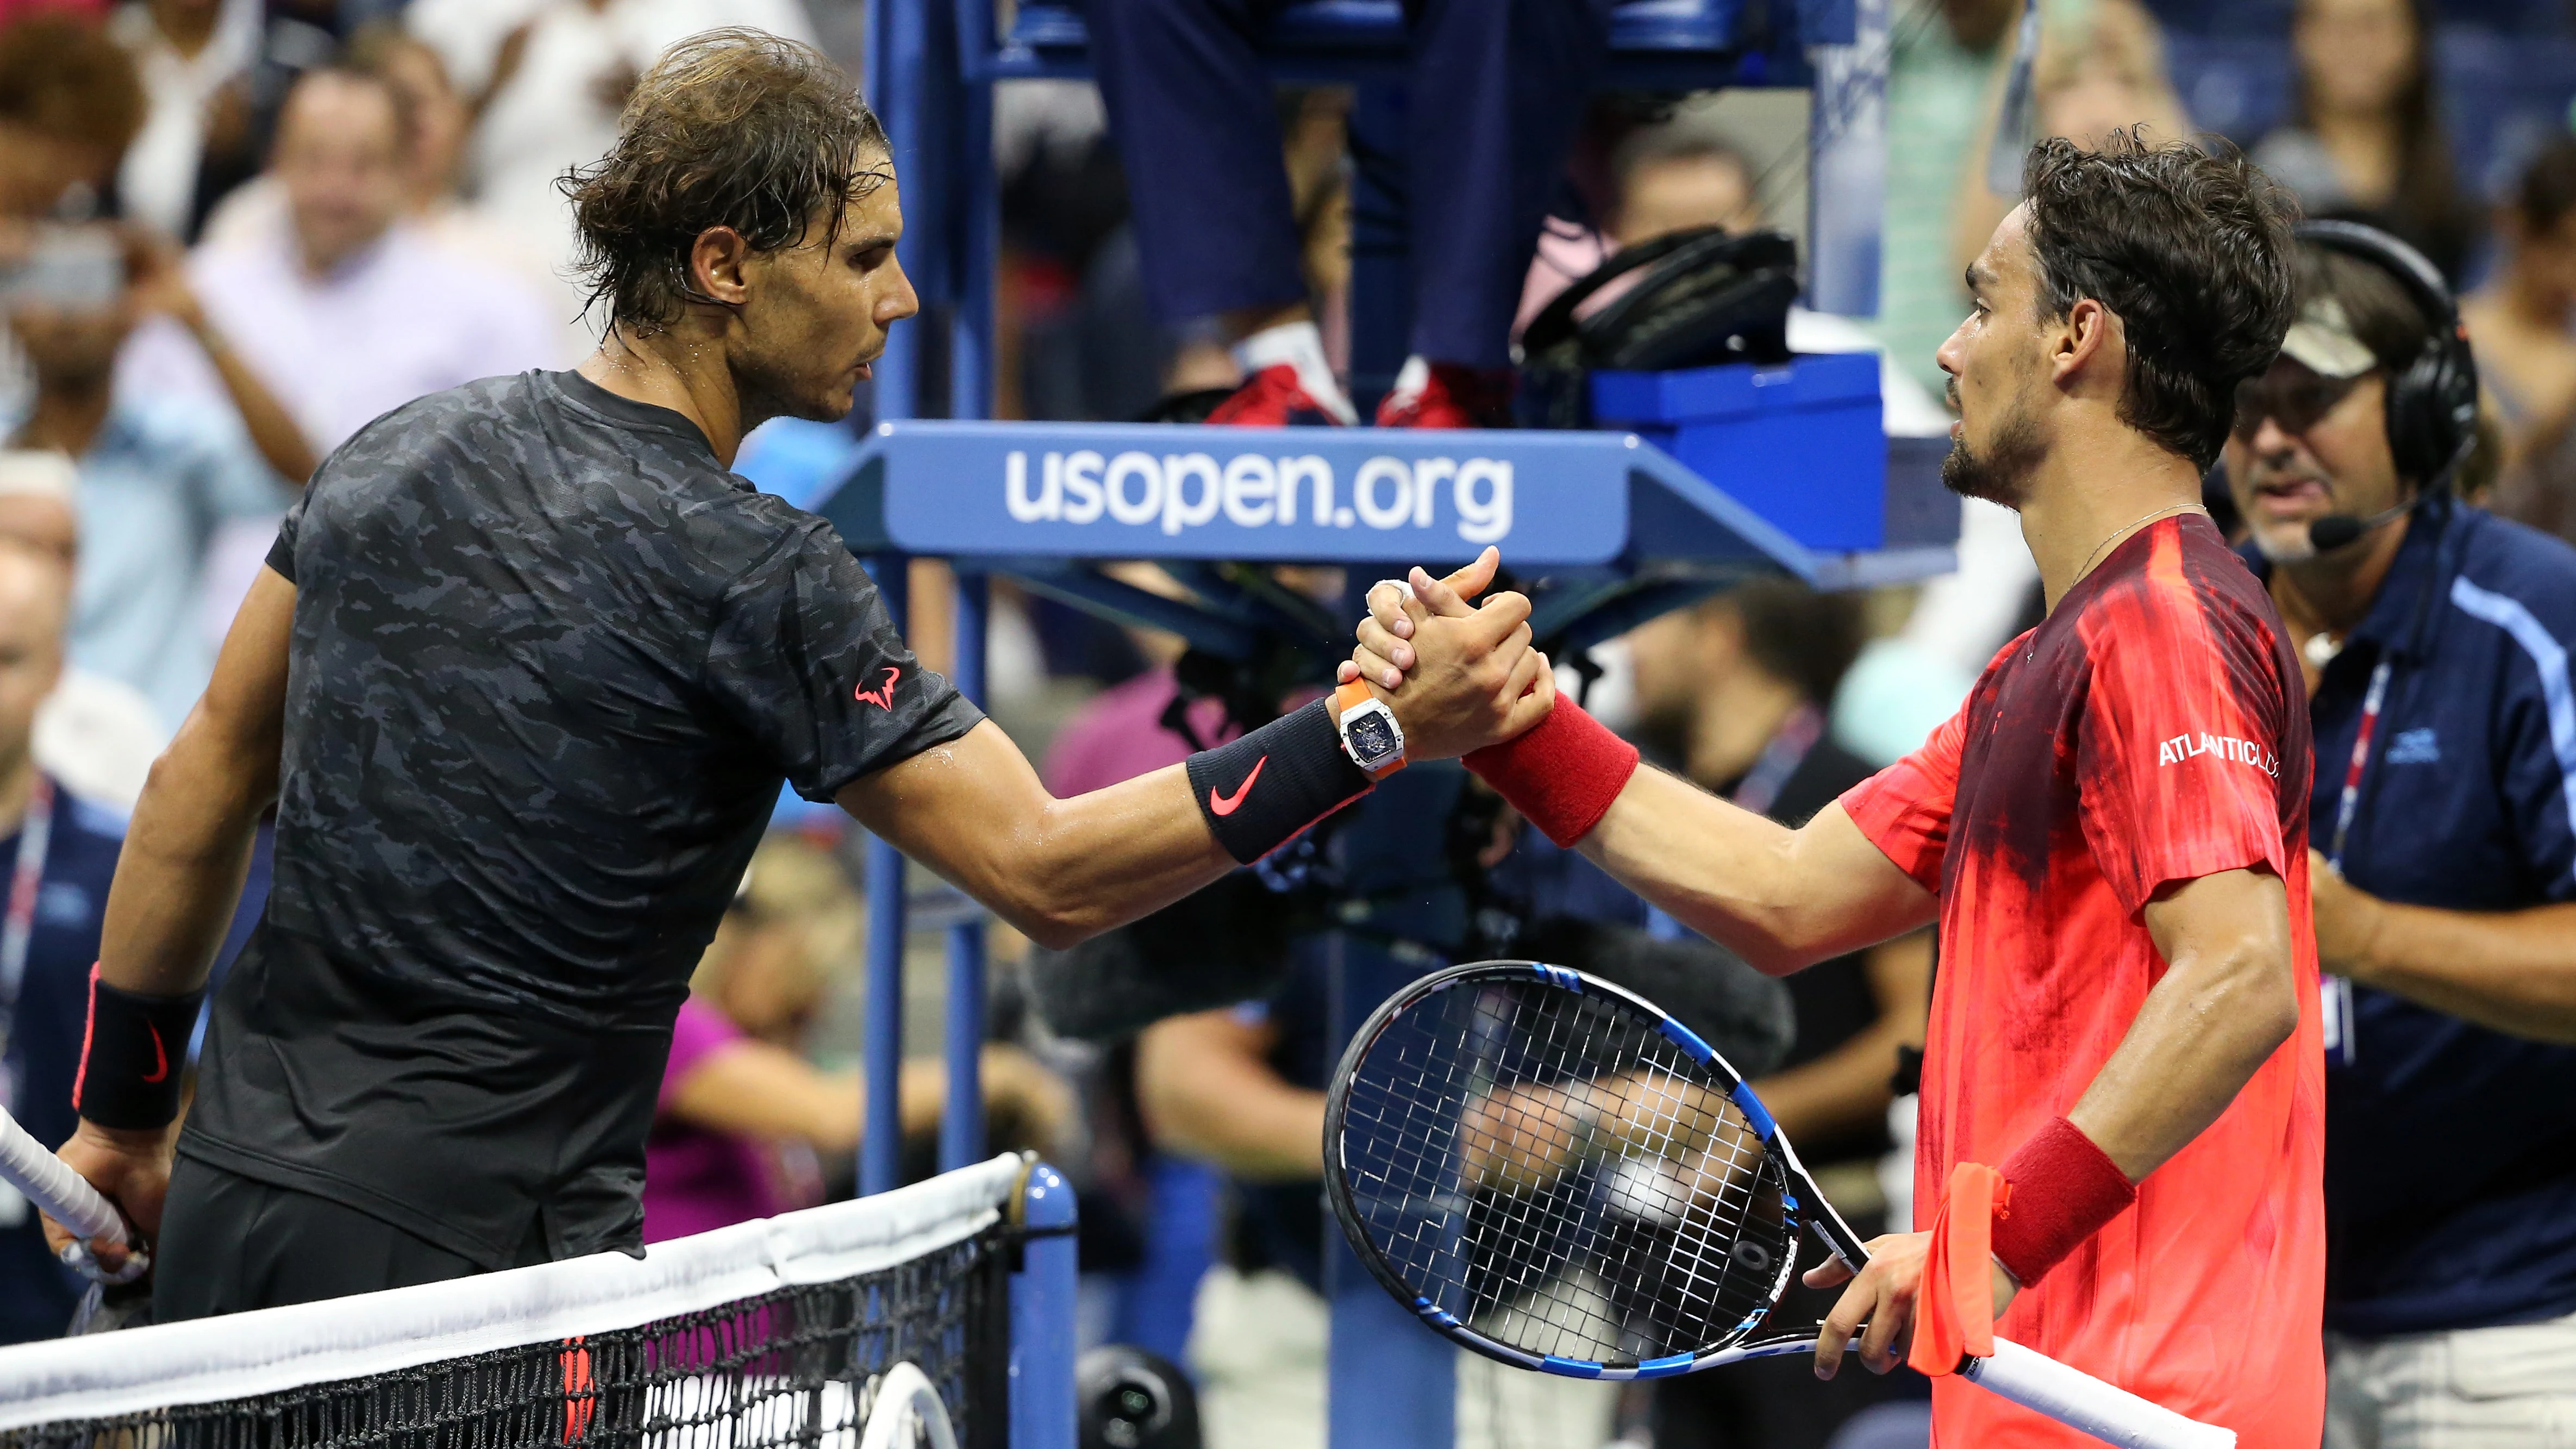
point(1459, 676)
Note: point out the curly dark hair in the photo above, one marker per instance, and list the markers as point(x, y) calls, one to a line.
point(2191, 249)
point(65, 79)
point(733, 128)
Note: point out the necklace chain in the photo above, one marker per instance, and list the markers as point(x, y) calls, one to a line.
point(2124, 530)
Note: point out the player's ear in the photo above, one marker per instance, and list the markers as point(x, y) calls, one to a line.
point(2089, 332)
point(718, 261)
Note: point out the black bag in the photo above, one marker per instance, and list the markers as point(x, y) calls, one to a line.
point(1708, 296)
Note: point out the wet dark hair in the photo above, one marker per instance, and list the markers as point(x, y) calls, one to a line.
point(733, 128)
point(2191, 249)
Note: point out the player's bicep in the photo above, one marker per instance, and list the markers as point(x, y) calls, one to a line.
point(1777, 897)
point(958, 807)
point(1849, 878)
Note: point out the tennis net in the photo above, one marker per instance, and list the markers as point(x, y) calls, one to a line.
point(759, 1336)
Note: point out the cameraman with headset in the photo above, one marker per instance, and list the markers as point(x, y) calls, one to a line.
point(2436, 640)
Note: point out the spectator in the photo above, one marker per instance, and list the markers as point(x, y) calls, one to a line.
point(436, 122)
point(1496, 91)
point(743, 1116)
point(186, 51)
point(2364, 140)
point(62, 852)
point(96, 735)
point(1941, 56)
point(2526, 356)
point(2435, 650)
point(69, 102)
point(1734, 694)
point(157, 474)
point(550, 77)
point(350, 312)
point(1671, 178)
point(2099, 70)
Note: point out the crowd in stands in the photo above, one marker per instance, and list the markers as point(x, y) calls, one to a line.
point(233, 232)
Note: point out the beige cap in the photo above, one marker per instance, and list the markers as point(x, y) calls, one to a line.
point(2322, 340)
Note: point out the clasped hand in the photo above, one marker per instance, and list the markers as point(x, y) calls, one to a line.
point(1459, 676)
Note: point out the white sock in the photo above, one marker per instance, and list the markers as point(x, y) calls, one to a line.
point(1301, 346)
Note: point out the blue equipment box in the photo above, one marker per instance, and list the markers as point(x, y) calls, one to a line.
point(1801, 444)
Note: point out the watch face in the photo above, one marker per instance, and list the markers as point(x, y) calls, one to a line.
point(1372, 739)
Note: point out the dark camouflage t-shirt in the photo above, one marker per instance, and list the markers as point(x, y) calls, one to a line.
point(550, 663)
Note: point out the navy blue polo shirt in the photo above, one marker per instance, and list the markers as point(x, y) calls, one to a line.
point(37, 1294)
point(2450, 1148)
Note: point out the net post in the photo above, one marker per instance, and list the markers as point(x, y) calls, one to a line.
point(881, 1150)
point(961, 1122)
point(1042, 1306)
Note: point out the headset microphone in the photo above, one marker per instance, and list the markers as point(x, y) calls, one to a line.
point(2336, 530)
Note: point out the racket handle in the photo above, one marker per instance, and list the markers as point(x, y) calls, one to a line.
point(2079, 1400)
point(57, 1191)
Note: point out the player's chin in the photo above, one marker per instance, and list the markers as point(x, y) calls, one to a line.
point(827, 402)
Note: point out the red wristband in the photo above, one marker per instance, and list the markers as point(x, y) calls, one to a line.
point(1563, 774)
point(2064, 1188)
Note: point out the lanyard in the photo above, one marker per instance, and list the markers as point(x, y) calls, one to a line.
point(2334, 997)
point(2350, 803)
point(35, 833)
point(1780, 759)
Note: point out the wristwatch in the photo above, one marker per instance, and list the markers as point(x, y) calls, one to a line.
point(1370, 735)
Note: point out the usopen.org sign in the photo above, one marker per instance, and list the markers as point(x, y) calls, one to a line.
point(1142, 491)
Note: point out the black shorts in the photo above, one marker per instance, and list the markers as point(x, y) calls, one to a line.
point(231, 1243)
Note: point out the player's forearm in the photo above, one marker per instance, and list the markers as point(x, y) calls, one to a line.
point(1781, 899)
point(2513, 971)
point(2227, 1002)
point(1059, 871)
point(179, 877)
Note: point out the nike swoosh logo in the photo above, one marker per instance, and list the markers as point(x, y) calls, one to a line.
point(160, 1058)
point(1228, 804)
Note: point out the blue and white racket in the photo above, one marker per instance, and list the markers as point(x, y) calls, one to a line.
point(1548, 1169)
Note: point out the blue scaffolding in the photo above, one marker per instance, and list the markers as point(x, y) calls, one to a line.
point(1784, 474)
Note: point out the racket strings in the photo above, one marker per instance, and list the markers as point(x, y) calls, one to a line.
point(1555, 1173)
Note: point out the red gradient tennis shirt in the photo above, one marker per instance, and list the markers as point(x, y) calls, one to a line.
point(2154, 730)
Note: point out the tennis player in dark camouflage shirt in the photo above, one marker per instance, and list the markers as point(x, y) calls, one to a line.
point(522, 678)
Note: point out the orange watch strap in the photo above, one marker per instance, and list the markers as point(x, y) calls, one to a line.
point(1350, 695)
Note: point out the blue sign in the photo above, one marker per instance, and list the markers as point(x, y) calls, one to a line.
point(1342, 494)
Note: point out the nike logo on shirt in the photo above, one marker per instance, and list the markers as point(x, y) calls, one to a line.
point(1228, 804)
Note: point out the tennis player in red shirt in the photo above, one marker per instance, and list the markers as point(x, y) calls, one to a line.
point(2112, 832)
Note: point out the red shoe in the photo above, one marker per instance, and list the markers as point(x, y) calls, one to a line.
point(1273, 398)
point(1446, 395)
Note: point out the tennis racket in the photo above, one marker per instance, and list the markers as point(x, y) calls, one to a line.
point(1550, 1171)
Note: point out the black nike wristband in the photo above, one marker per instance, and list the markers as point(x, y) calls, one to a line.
point(131, 1054)
point(1263, 790)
